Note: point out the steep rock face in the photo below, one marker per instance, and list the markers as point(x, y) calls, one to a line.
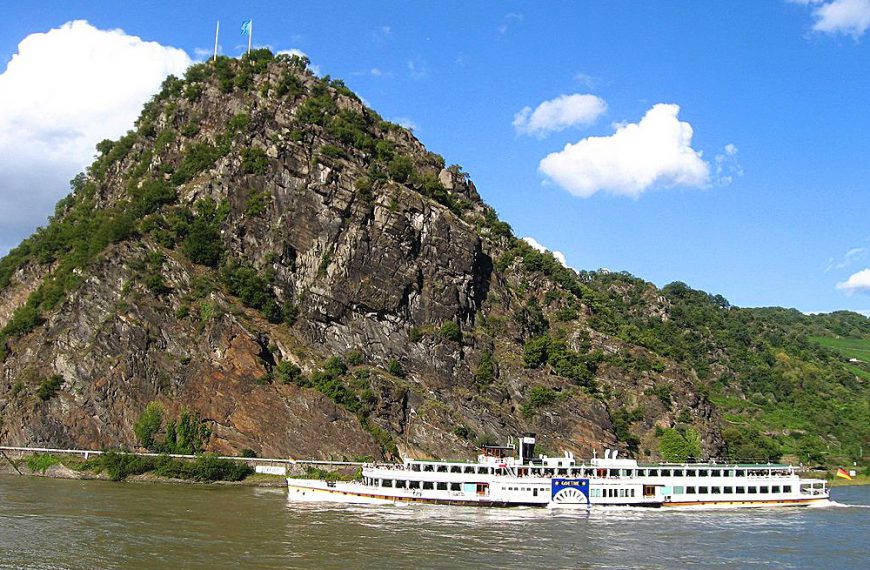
point(283, 223)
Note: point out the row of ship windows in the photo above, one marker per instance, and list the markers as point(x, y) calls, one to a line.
point(611, 493)
point(764, 489)
point(590, 472)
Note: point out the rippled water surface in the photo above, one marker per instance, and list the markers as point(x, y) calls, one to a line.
point(54, 524)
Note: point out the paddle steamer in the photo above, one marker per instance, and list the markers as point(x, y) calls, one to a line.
point(499, 479)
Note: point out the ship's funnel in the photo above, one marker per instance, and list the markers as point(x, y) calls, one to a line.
point(527, 447)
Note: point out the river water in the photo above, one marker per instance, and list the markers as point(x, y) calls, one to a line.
point(63, 524)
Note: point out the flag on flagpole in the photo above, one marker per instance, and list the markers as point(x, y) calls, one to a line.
point(246, 28)
point(843, 473)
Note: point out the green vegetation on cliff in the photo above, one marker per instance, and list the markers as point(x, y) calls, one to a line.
point(201, 195)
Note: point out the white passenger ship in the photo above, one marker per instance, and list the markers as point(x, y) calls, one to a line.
point(498, 479)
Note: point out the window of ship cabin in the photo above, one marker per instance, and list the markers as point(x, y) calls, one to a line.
point(715, 473)
point(765, 489)
point(481, 470)
point(786, 489)
point(775, 489)
point(666, 472)
point(455, 487)
point(741, 490)
point(442, 486)
point(649, 491)
point(401, 484)
point(387, 483)
point(730, 473)
point(428, 468)
point(415, 467)
point(716, 490)
point(690, 490)
point(703, 490)
point(653, 472)
point(455, 469)
point(728, 490)
point(413, 484)
point(753, 490)
point(622, 493)
point(442, 469)
point(563, 471)
point(678, 472)
point(691, 473)
point(678, 490)
point(632, 492)
point(469, 469)
point(427, 485)
point(703, 473)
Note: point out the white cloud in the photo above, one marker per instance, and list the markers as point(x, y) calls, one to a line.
point(417, 68)
point(558, 114)
point(856, 283)
point(560, 257)
point(727, 166)
point(405, 122)
point(657, 151)
point(62, 92)
point(851, 17)
point(853, 255)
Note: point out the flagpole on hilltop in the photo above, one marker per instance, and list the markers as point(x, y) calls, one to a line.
point(250, 35)
point(216, 32)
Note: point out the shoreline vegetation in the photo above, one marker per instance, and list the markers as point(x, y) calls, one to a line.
point(119, 466)
point(209, 469)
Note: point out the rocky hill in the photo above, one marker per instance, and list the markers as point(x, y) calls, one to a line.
point(265, 265)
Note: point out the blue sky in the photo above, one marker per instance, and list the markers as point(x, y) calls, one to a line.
point(752, 180)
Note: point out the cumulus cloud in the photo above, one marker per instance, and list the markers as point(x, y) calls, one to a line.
point(851, 17)
point(61, 93)
point(655, 152)
point(857, 283)
point(560, 257)
point(559, 114)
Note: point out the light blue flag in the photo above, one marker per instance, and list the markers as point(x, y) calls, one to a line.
point(246, 28)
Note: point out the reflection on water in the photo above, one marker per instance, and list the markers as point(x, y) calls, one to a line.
point(55, 524)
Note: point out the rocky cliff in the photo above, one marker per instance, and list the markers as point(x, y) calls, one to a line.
point(266, 255)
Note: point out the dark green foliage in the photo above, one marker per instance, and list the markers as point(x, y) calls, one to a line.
point(354, 358)
point(400, 168)
point(538, 397)
point(254, 161)
point(286, 372)
point(200, 156)
point(49, 387)
point(745, 443)
point(246, 452)
point(257, 203)
point(258, 59)
point(622, 420)
point(535, 351)
point(255, 291)
point(203, 243)
point(334, 367)
point(206, 468)
point(394, 367)
point(484, 374)
point(415, 335)
point(318, 108)
point(186, 435)
point(450, 331)
point(333, 151)
point(289, 85)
